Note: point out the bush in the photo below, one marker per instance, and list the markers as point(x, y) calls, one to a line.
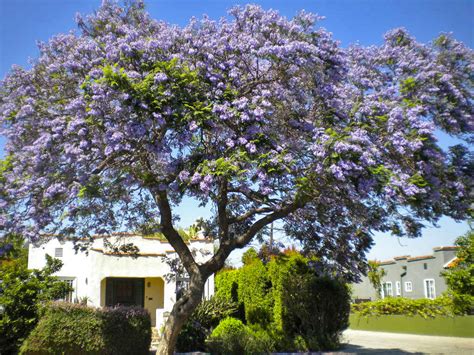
point(229, 337)
point(204, 319)
point(254, 292)
point(315, 311)
point(426, 308)
point(280, 269)
point(287, 306)
point(75, 329)
point(227, 285)
point(22, 293)
point(127, 330)
point(233, 337)
point(260, 341)
point(460, 277)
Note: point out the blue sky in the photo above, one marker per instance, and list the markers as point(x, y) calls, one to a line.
point(23, 22)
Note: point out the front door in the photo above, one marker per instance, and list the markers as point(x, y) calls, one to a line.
point(124, 291)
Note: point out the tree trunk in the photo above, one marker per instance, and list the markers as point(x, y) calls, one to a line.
point(180, 313)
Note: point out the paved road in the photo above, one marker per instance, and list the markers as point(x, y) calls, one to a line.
point(363, 342)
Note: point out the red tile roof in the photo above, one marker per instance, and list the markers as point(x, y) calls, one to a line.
point(401, 257)
point(421, 257)
point(445, 248)
point(126, 254)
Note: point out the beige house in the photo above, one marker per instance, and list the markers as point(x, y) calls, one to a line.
point(104, 277)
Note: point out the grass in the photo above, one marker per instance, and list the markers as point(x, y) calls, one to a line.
point(461, 326)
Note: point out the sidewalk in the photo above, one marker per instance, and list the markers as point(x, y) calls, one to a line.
point(364, 342)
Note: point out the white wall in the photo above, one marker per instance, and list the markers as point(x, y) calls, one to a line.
point(90, 269)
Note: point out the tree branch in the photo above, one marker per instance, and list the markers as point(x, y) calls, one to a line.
point(244, 239)
point(227, 246)
point(251, 195)
point(222, 200)
point(172, 235)
point(249, 214)
point(106, 162)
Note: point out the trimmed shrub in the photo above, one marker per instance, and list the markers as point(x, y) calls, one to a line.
point(426, 308)
point(315, 311)
point(260, 341)
point(280, 269)
point(233, 337)
point(229, 337)
point(227, 285)
point(254, 292)
point(204, 319)
point(67, 328)
point(127, 330)
point(287, 306)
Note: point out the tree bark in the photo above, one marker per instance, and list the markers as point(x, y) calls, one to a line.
point(180, 313)
point(198, 274)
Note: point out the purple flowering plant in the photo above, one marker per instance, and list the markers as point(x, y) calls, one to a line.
point(264, 118)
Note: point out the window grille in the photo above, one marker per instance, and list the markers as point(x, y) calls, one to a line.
point(68, 297)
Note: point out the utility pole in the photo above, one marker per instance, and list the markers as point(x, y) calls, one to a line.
point(271, 238)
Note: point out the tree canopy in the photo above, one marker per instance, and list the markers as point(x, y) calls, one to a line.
point(259, 116)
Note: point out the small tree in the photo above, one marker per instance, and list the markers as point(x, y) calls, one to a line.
point(375, 274)
point(460, 277)
point(22, 292)
point(261, 117)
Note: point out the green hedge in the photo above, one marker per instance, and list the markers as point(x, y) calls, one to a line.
point(67, 328)
point(254, 292)
point(441, 306)
point(285, 306)
point(226, 283)
point(458, 326)
point(280, 269)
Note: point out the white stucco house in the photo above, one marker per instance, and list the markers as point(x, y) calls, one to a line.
point(106, 278)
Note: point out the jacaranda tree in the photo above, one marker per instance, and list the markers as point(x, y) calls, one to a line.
point(260, 117)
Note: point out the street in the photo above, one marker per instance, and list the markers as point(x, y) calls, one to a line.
point(364, 342)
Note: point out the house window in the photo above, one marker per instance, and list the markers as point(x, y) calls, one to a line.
point(430, 291)
point(425, 266)
point(58, 252)
point(408, 286)
point(124, 291)
point(398, 288)
point(68, 297)
point(387, 290)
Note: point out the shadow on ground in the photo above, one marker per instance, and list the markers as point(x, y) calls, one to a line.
point(346, 349)
point(356, 349)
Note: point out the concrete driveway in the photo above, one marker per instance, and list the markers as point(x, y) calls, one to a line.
point(364, 342)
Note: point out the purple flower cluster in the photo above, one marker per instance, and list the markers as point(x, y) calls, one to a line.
point(271, 107)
